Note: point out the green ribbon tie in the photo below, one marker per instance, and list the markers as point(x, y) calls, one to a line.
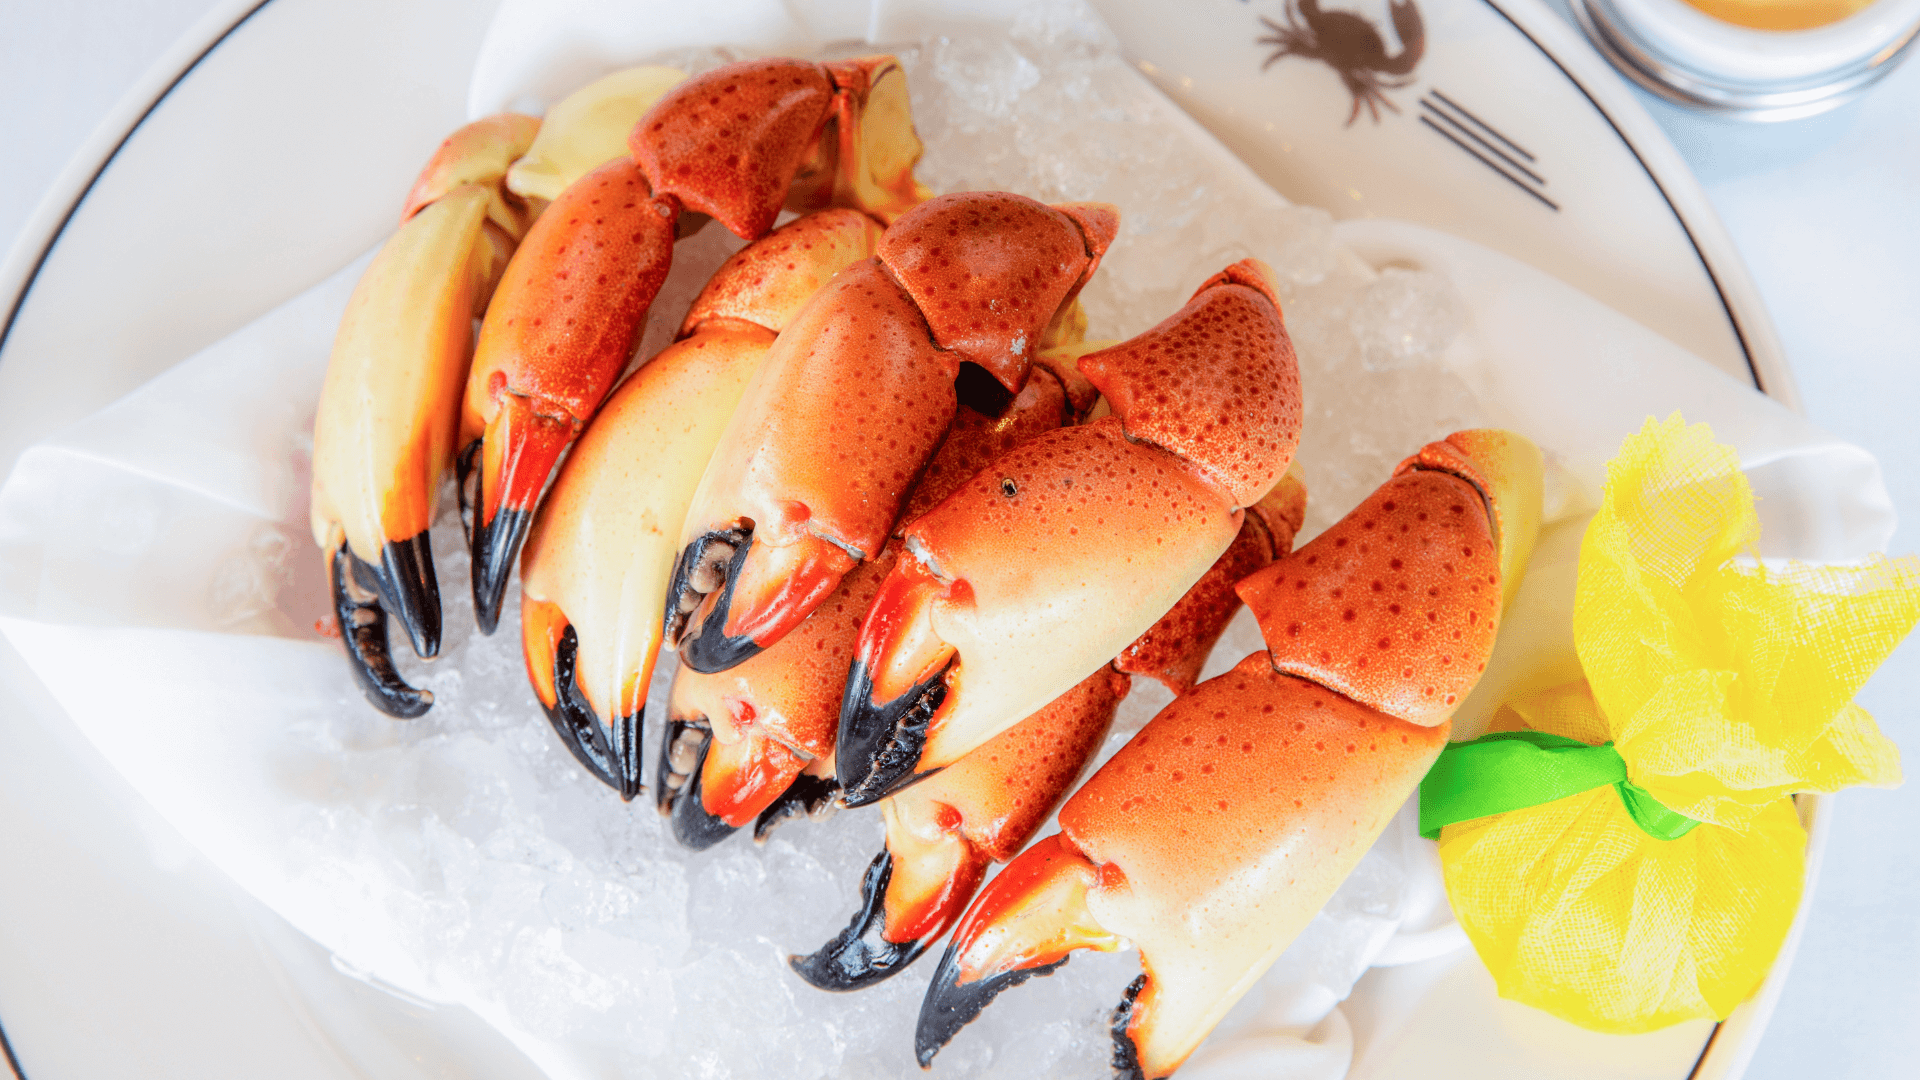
point(1512, 770)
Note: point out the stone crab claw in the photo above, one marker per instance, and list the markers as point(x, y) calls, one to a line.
point(856, 396)
point(750, 744)
point(942, 833)
point(384, 432)
point(737, 741)
point(736, 144)
point(601, 554)
point(1214, 836)
point(1046, 564)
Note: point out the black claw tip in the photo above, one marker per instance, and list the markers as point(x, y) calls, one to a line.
point(807, 796)
point(692, 825)
point(411, 592)
point(496, 546)
point(950, 1006)
point(861, 955)
point(879, 745)
point(1126, 1056)
point(705, 647)
point(613, 756)
point(357, 592)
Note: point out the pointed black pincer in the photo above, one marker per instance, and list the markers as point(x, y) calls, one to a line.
point(861, 955)
point(496, 547)
point(613, 756)
point(706, 647)
point(951, 1005)
point(692, 825)
point(495, 544)
point(1126, 1056)
point(879, 745)
point(808, 796)
point(357, 595)
point(411, 592)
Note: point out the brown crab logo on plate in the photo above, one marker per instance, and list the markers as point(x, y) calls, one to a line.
point(1351, 45)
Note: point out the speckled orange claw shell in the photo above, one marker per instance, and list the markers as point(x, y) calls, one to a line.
point(739, 739)
point(737, 143)
point(1214, 836)
point(816, 464)
point(944, 831)
point(1055, 557)
point(599, 562)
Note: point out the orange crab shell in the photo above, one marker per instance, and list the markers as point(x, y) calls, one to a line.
point(563, 319)
point(975, 439)
point(1233, 413)
point(990, 270)
point(1174, 649)
point(478, 153)
point(986, 806)
point(727, 142)
point(767, 283)
point(1395, 605)
point(816, 445)
point(1222, 827)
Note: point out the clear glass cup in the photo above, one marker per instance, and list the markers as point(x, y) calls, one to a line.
point(1753, 59)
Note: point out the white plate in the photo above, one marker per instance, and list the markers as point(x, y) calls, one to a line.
point(279, 153)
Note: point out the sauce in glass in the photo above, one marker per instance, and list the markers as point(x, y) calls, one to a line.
point(1780, 14)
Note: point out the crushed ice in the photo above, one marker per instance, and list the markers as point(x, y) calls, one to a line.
point(512, 877)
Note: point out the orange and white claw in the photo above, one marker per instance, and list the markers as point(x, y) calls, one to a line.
point(603, 550)
point(560, 329)
point(858, 393)
point(1208, 842)
point(1059, 555)
point(1397, 605)
point(383, 434)
point(943, 833)
point(1029, 577)
point(738, 742)
point(850, 403)
point(1026, 922)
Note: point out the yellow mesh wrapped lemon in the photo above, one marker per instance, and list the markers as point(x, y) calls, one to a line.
point(1626, 855)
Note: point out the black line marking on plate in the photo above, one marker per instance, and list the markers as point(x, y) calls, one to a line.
point(40, 261)
point(13, 1062)
point(1482, 124)
point(1463, 129)
point(1488, 162)
point(1739, 334)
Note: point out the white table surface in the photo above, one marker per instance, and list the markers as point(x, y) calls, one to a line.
point(1825, 211)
